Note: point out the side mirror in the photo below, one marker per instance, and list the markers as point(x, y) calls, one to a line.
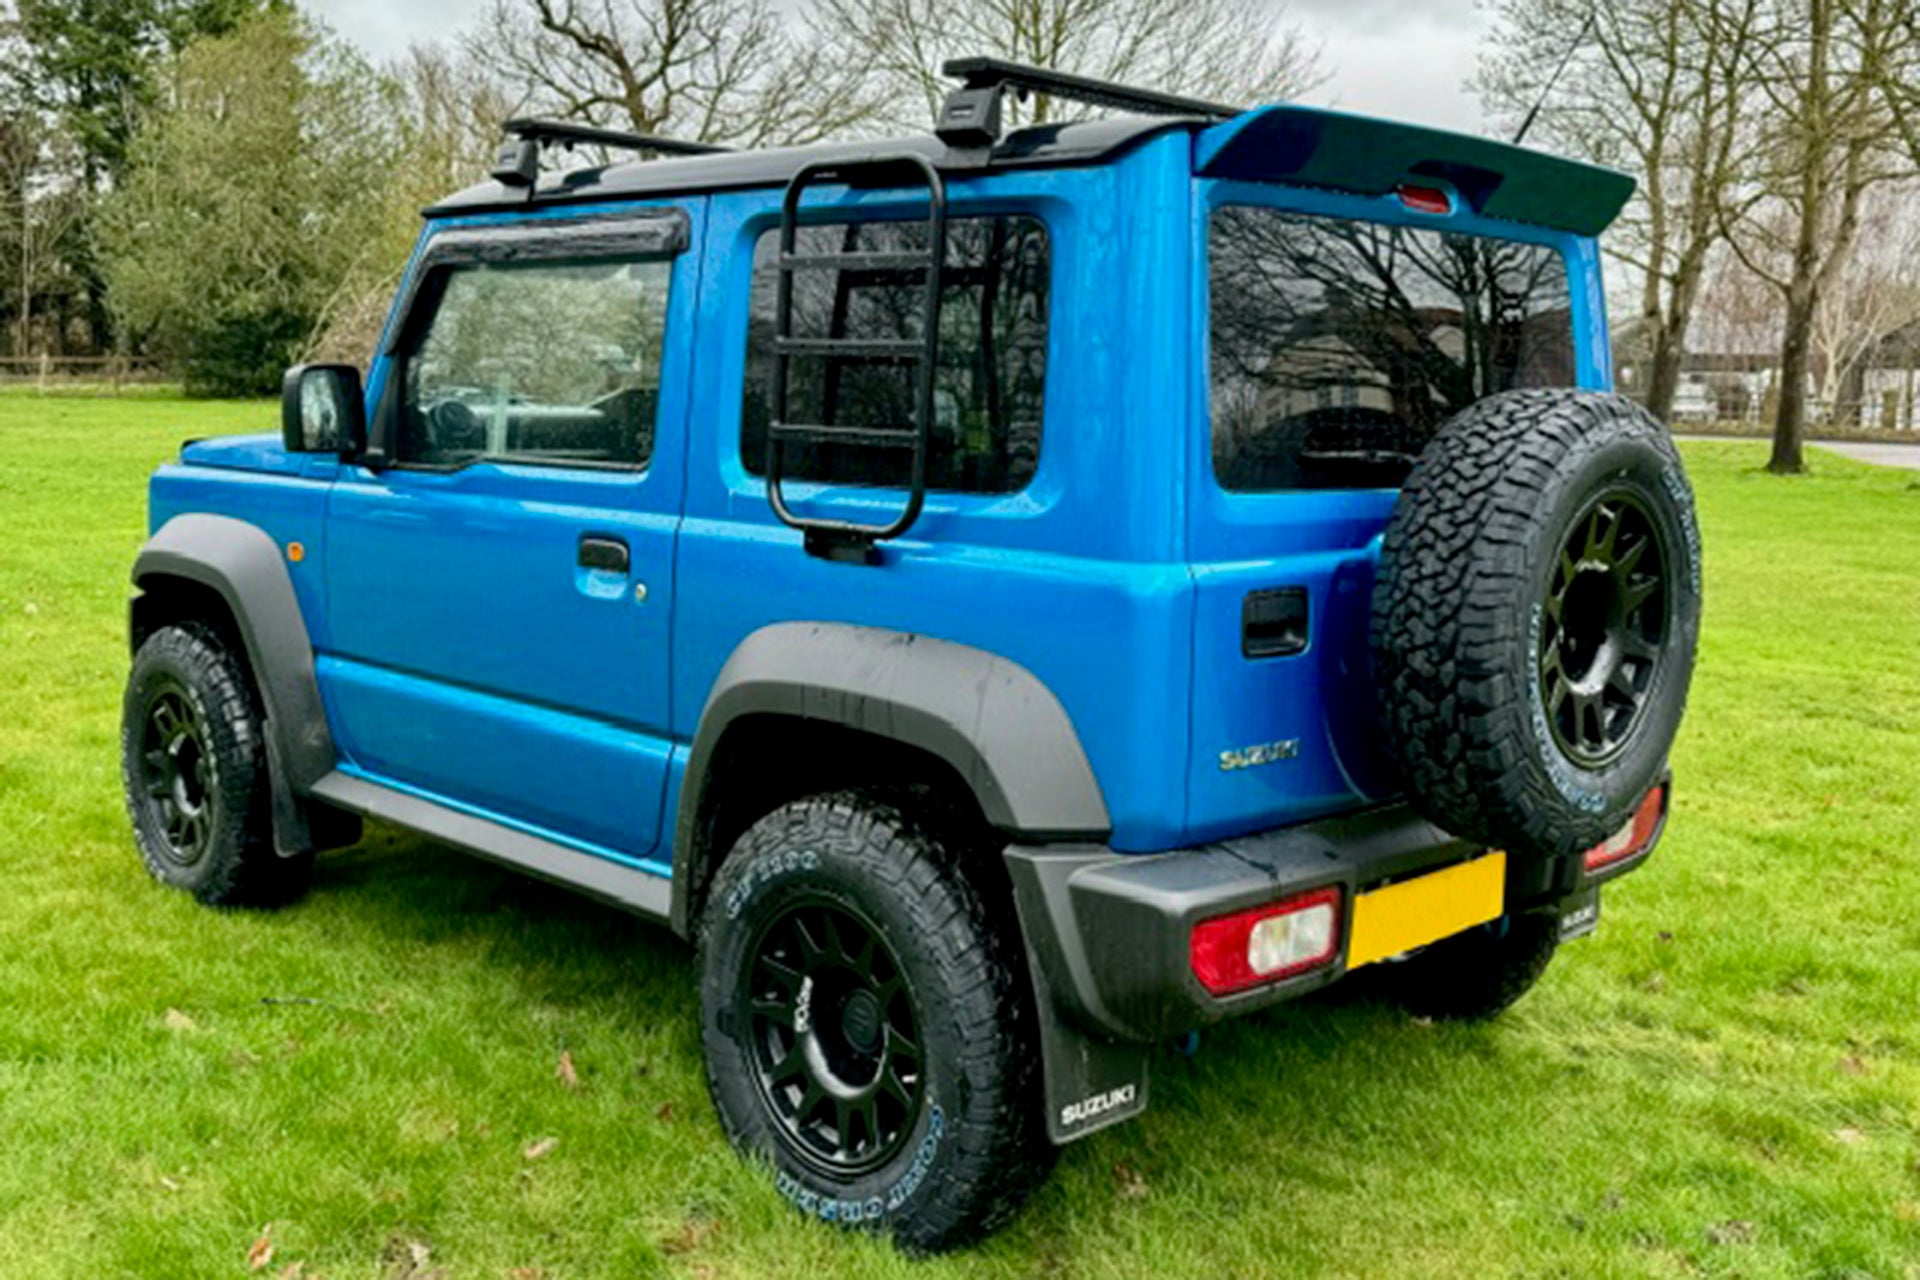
point(323, 410)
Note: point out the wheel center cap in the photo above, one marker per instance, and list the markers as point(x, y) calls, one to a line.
point(860, 1021)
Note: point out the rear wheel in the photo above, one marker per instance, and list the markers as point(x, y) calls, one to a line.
point(193, 760)
point(865, 1027)
point(1477, 974)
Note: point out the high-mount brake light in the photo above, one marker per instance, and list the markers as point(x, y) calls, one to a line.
point(1633, 839)
point(1426, 199)
point(1267, 943)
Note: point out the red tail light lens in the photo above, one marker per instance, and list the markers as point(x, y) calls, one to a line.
point(1268, 943)
point(1636, 837)
point(1426, 199)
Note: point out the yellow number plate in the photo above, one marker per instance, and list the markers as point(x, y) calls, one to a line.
point(1426, 909)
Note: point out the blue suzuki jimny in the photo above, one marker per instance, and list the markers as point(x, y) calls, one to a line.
point(1007, 597)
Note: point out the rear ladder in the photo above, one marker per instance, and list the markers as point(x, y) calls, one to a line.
point(846, 539)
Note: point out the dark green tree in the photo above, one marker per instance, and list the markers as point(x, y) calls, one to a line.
point(90, 68)
point(250, 193)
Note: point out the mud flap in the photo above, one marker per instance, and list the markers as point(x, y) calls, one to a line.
point(1091, 1081)
point(1579, 914)
point(303, 826)
point(292, 836)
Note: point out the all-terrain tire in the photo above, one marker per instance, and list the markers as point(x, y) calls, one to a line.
point(1478, 974)
point(193, 762)
point(1531, 666)
point(956, 1149)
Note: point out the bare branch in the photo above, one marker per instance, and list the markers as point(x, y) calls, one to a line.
point(714, 70)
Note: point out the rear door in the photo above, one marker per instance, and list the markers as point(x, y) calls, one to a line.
point(500, 593)
point(1341, 332)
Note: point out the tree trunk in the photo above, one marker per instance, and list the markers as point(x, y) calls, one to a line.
point(1671, 328)
point(99, 318)
point(1850, 394)
point(23, 325)
point(1663, 379)
point(1789, 428)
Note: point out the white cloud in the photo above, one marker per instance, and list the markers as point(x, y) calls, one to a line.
point(384, 28)
point(1394, 58)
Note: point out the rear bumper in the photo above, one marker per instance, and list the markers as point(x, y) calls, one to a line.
point(1108, 934)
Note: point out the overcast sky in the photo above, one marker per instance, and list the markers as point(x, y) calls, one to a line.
point(1406, 59)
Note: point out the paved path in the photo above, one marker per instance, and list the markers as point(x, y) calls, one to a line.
point(1885, 455)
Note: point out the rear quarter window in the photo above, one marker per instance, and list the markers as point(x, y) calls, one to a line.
point(1339, 346)
point(989, 381)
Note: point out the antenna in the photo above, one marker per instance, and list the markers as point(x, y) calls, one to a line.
point(1546, 90)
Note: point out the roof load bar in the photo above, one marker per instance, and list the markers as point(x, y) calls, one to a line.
point(970, 116)
point(518, 163)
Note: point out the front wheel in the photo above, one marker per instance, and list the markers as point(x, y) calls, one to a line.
point(866, 1028)
point(194, 761)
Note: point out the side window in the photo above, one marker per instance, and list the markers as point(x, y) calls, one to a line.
point(554, 363)
point(991, 374)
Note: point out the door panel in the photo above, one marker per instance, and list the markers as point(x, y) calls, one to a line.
point(490, 647)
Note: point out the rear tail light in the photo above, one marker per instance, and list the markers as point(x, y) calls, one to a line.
point(1636, 837)
point(1268, 943)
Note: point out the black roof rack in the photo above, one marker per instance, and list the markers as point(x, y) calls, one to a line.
point(971, 115)
point(519, 161)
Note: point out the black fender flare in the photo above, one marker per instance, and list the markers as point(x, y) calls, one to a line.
point(1000, 728)
point(242, 564)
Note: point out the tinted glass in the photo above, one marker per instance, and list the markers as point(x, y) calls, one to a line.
point(554, 363)
point(991, 370)
point(1339, 347)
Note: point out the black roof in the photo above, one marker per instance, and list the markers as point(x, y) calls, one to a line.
point(1043, 146)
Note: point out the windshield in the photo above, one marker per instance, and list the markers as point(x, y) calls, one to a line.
point(1339, 347)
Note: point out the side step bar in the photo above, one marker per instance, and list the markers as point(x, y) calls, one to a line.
point(621, 886)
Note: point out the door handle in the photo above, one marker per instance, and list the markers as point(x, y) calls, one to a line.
point(606, 554)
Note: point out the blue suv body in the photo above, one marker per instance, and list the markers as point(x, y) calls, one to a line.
point(527, 593)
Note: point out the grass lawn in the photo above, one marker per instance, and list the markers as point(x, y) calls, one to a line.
point(1725, 1081)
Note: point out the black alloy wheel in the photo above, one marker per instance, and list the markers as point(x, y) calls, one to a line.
point(1605, 622)
point(835, 1043)
point(193, 758)
point(175, 771)
point(1536, 612)
point(867, 1016)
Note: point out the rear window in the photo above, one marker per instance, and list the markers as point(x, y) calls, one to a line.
point(991, 374)
point(1339, 347)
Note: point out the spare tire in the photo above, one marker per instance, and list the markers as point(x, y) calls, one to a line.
point(1535, 617)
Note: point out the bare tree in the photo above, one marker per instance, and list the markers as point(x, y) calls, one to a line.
point(1656, 87)
point(447, 117)
point(1232, 50)
point(1893, 66)
point(40, 214)
point(1874, 293)
point(714, 70)
point(1831, 138)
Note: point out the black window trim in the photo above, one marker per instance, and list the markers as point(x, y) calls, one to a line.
point(755, 228)
point(653, 233)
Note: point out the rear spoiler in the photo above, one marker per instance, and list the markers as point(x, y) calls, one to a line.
point(1311, 147)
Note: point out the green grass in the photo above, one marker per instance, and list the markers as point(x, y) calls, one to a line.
point(1725, 1081)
